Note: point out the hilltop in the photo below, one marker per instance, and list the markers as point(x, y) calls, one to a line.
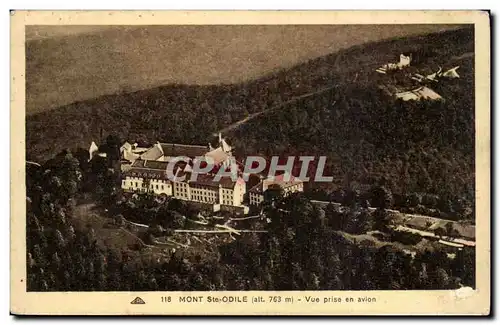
point(368, 136)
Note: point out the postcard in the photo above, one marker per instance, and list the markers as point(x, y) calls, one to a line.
point(250, 163)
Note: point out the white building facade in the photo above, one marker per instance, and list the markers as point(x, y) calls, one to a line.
point(147, 172)
point(288, 183)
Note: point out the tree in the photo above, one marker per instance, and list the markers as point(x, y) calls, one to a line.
point(364, 222)
point(70, 233)
point(69, 168)
point(114, 281)
point(440, 232)
point(350, 199)
point(454, 233)
point(55, 261)
point(119, 220)
point(338, 220)
point(449, 229)
point(112, 148)
point(319, 218)
point(313, 282)
point(338, 196)
point(156, 230)
point(381, 197)
point(464, 266)
point(442, 279)
point(59, 239)
point(177, 220)
point(273, 251)
point(273, 193)
point(381, 220)
point(150, 238)
point(414, 200)
point(430, 201)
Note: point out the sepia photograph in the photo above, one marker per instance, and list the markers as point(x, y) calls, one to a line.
point(232, 158)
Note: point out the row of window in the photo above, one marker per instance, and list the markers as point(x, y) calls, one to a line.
point(132, 184)
point(203, 198)
point(207, 193)
point(146, 175)
point(185, 195)
point(197, 194)
point(136, 185)
point(256, 198)
point(201, 187)
point(294, 188)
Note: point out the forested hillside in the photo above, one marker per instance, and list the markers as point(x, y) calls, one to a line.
point(306, 247)
point(369, 137)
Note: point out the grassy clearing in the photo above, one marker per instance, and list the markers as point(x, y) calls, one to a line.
point(114, 238)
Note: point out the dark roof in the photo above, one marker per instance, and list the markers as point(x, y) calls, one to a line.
point(177, 150)
point(153, 153)
point(146, 173)
point(158, 169)
point(278, 180)
point(257, 188)
point(205, 180)
point(208, 180)
point(218, 155)
point(154, 164)
point(150, 164)
point(139, 163)
point(148, 169)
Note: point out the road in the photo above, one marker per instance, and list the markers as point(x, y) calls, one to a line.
point(237, 124)
point(432, 235)
point(33, 163)
point(411, 216)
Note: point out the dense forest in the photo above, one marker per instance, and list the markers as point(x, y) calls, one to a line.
point(422, 153)
point(304, 248)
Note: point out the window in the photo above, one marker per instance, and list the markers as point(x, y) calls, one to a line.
point(136, 184)
point(162, 187)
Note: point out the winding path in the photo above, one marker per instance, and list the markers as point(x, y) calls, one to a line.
point(237, 124)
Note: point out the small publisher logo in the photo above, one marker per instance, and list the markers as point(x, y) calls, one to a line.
point(137, 301)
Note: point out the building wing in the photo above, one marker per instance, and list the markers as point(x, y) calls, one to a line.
point(148, 169)
point(93, 150)
point(452, 73)
point(126, 147)
point(218, 155)
point(183, 150)
point(154, 153)
point(130, 156)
